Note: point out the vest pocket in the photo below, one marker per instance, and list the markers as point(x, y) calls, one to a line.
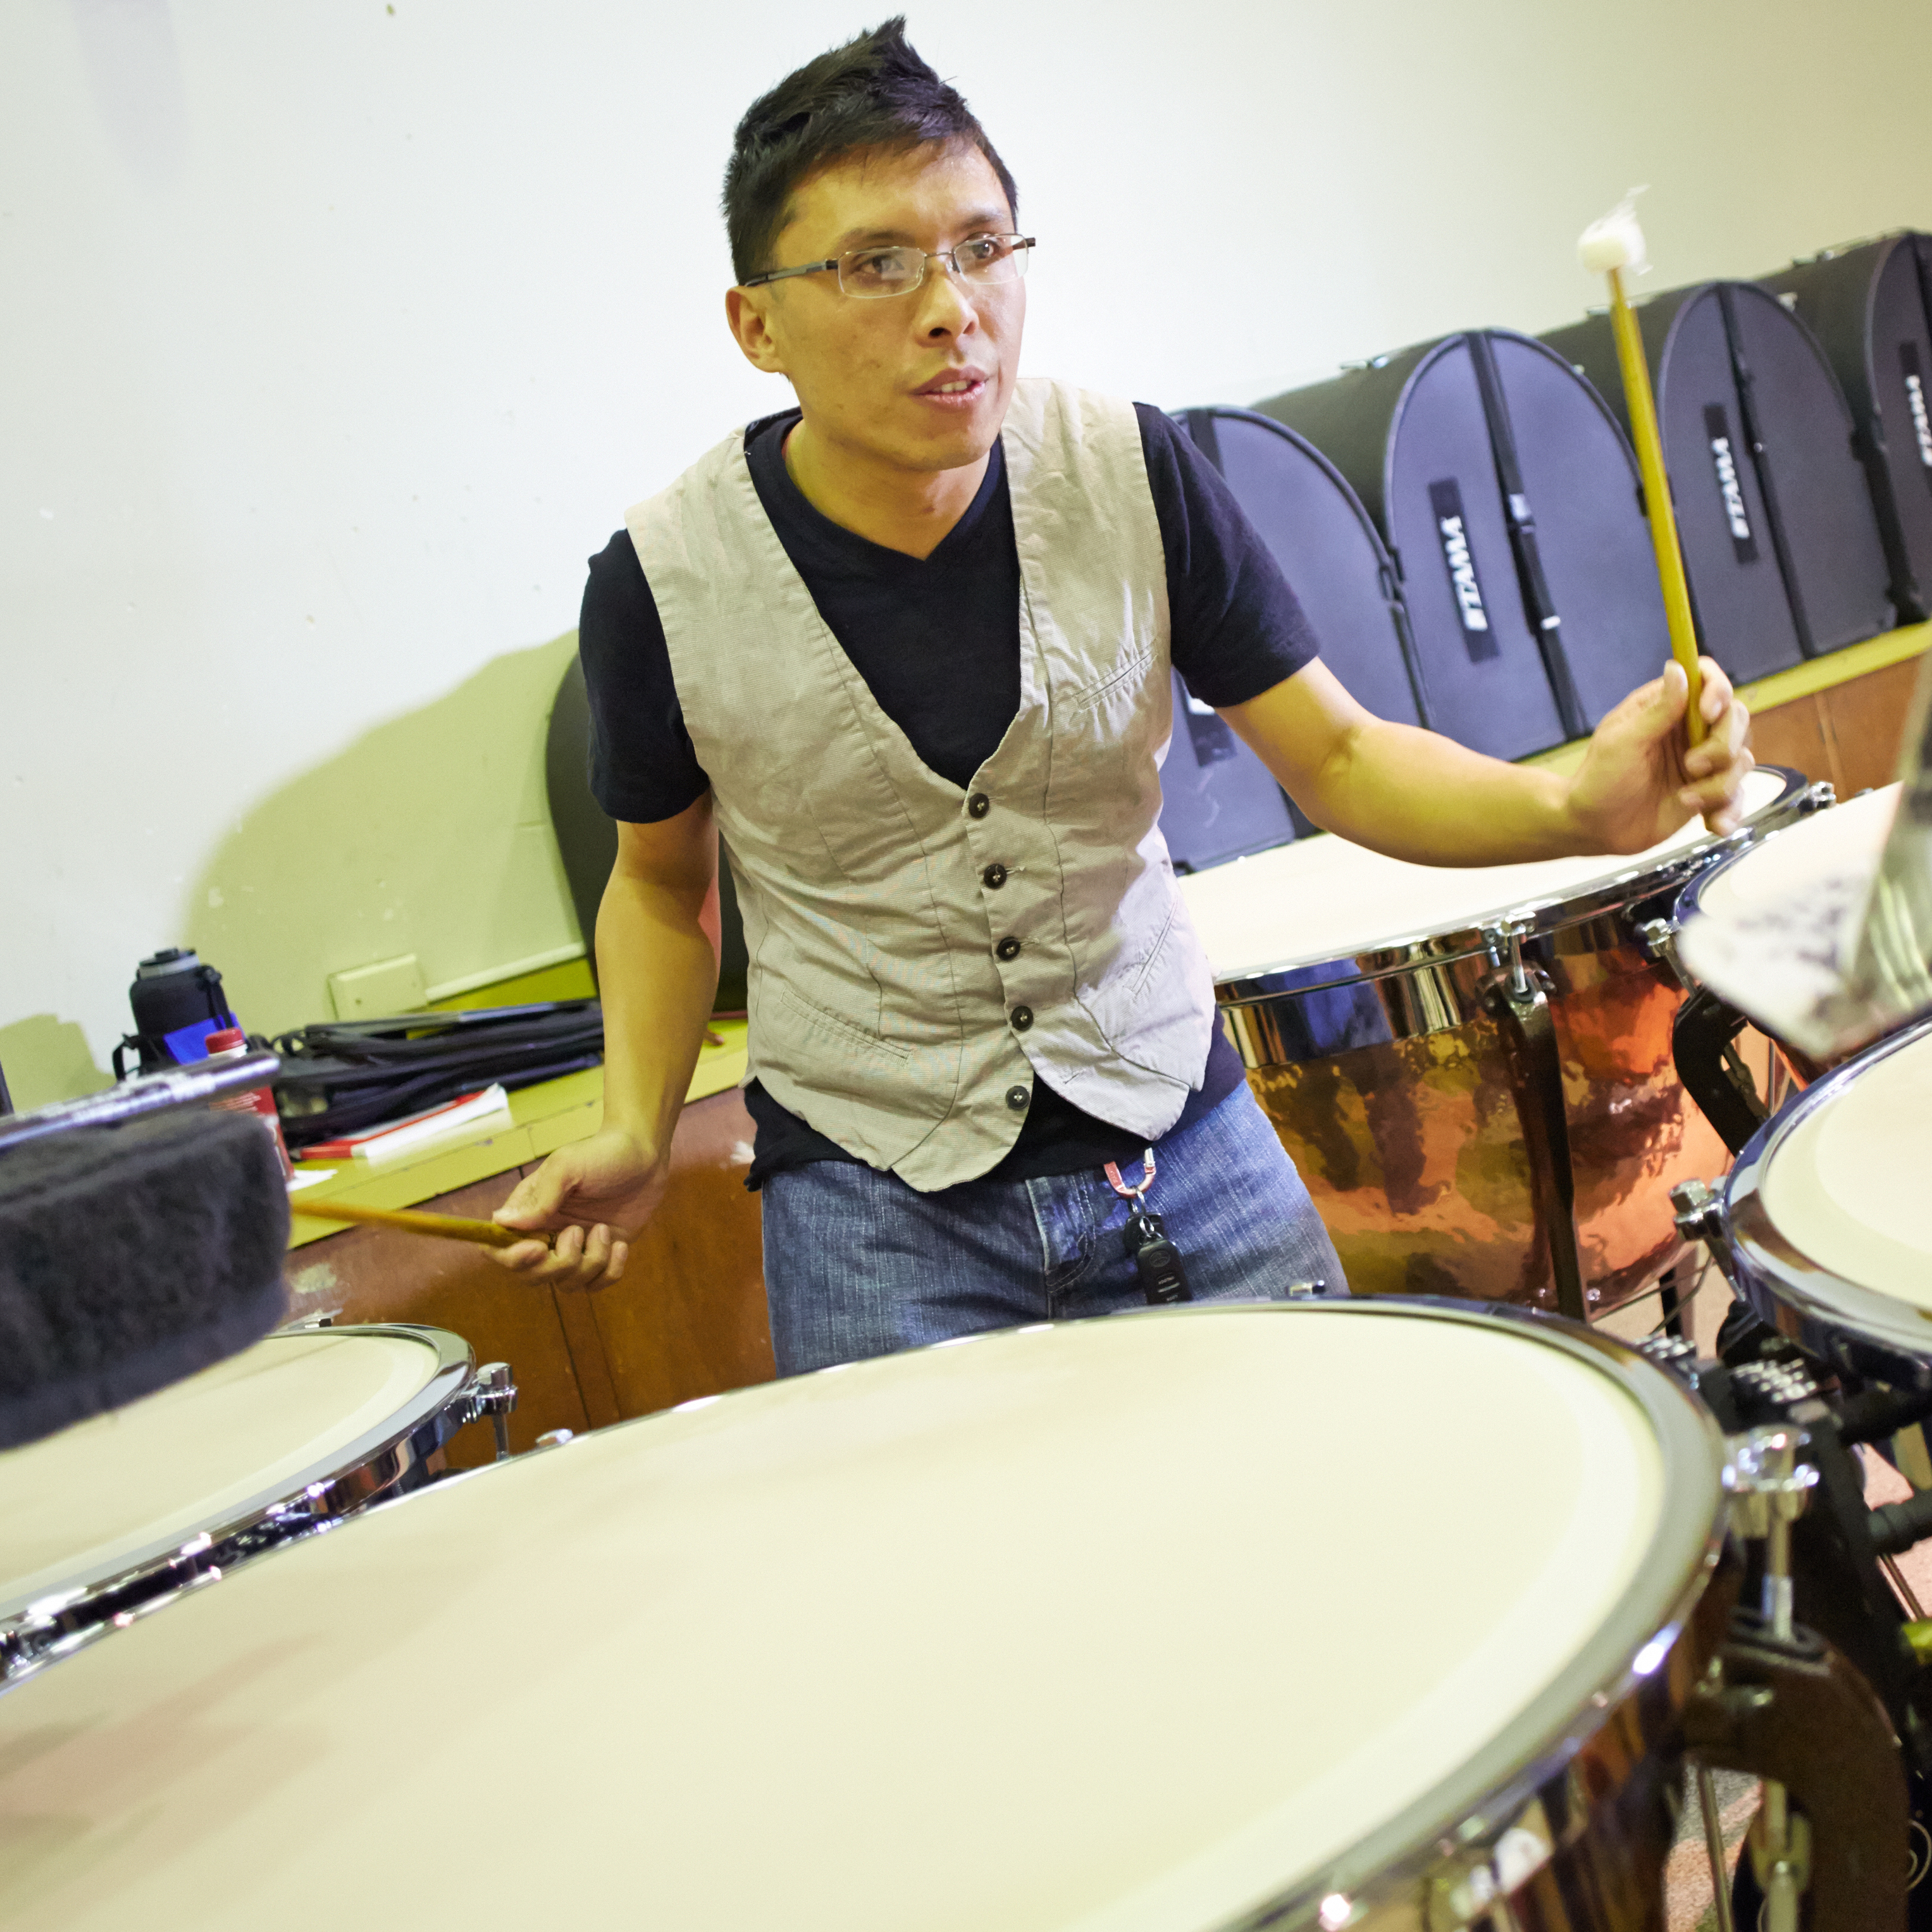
point(802, 1014)
point(1133, 671)
point(1158, 1034)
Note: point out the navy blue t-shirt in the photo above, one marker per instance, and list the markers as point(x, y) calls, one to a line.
point(1236, 630)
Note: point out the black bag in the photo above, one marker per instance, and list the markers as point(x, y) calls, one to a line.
point(1870, 305)
point(342, 1076)
point(1508, 498)
point(1780, 544)
point(1219, 801)
point(1303, 509)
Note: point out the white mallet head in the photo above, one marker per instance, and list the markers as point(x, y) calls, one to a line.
point(1615, 240)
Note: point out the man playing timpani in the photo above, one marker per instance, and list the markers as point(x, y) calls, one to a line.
point(904, 648)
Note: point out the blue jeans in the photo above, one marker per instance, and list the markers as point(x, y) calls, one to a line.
point(858, 1264)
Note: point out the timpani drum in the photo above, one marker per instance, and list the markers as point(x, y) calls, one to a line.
point(1363, 993)
point(114, 1517)
point(1822, 1226)
point(1150, 1624)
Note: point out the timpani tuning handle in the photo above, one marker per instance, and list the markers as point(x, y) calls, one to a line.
point(1696, 1202)
point(1769, 1487)
point(493, 1392)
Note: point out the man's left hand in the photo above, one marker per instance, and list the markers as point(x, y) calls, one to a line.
point(1640, 780)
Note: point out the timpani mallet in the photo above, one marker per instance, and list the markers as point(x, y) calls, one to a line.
point(1608, 247)
point(447, 1227)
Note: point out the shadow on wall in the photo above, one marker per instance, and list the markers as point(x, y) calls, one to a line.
point(46, 1058)
point(429, 835)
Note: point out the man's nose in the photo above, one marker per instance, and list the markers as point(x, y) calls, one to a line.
point(945, 308)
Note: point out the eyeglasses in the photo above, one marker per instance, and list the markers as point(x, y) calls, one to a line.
point(873, 274)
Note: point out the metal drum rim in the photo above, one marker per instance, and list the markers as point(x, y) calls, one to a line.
point(1525, 918)
point(454, 1365)
point(1839, 1318)
point(1690, 900)
point(1453, 1825)
point(1383, 1875)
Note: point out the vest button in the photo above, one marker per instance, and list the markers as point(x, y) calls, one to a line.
point(1022, 1018)
point(979, 804)
point(1017, 1098)
point(1008, 949)
point(993, 878)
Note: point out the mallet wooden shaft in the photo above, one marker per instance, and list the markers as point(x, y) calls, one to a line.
point(448, 1227)
point(1643, 408)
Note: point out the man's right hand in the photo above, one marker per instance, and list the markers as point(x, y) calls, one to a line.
point(594, 1196)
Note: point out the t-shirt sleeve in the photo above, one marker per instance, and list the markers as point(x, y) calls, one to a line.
point(1238, 628)
point(643, 767)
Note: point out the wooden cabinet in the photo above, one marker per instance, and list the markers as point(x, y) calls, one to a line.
point(688, 1319)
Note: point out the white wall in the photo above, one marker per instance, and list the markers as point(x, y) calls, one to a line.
point(333, 337)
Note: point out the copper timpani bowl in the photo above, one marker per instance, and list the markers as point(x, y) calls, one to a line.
point(1354, 985)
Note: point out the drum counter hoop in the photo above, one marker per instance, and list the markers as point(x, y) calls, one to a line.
point(1213, 1658)
point(1472, 1068)
point(1821, 1226)
point(112, 1518)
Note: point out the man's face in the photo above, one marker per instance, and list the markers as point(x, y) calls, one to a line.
point(917, 382)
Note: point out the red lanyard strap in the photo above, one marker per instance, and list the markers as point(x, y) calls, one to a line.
point(1121, 1188)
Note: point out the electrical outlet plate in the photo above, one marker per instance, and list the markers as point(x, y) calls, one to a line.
point(374, 992)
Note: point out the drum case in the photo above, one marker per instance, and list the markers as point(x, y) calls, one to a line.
point(1219, 801)
point(402, 1454)
point(1780, 540)
point(1870, 305)
point(1509, 500)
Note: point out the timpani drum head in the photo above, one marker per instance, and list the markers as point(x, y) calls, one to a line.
point(1773, 931)
point(1324, 898)
point(1126, 1625)
point(78, 1504)
point(1847, 1187)
point(1824, 1219)
point(1786, 865)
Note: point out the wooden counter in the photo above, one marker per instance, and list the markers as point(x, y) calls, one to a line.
point(688, 1319)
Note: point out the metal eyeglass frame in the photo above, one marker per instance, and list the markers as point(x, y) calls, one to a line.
point(950, 256)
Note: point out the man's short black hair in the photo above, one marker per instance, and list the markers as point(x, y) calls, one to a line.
point(873, 92)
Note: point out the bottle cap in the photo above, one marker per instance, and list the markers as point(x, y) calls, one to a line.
point(228, 1040)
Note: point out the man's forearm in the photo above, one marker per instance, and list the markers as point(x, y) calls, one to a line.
point(1420, 797)
point(657, 972)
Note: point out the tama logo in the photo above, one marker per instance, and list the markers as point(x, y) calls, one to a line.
point(1462, 573)
point(1727, 486)
point(1445, 499)
point(1921, 424)
point(1730, 490)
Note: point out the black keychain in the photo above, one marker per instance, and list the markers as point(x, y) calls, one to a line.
point(1163, 1273)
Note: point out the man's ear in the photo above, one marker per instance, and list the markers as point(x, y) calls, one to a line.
point(747, 314)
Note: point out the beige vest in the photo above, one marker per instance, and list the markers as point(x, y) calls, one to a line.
point(873, 896)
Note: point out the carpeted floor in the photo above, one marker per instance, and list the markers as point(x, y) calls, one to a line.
point(1688, 1902)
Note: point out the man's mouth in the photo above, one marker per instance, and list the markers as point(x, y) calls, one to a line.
point(954, 385)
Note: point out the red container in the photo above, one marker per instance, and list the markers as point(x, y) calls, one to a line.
point(231, 1043)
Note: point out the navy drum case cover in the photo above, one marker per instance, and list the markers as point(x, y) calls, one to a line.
point(1508, 497)
point(1870, 305)
point(1220, 801)
point(1780, 542)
